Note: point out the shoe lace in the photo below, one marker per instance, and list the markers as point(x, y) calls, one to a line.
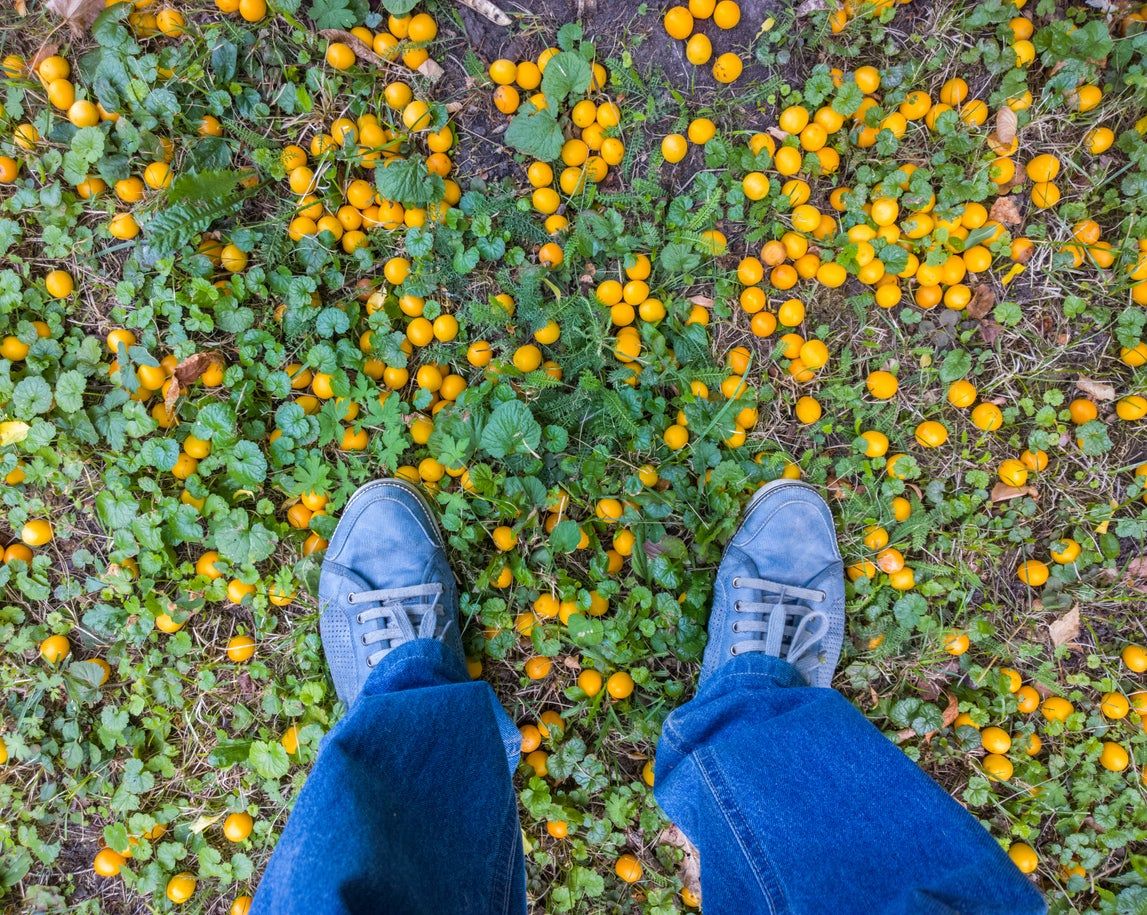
point(767, 623)
point(395, 619)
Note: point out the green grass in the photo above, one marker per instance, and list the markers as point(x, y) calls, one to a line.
point(181, 735)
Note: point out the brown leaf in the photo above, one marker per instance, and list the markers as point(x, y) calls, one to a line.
point(1002, 492)
point(1099, 390)
point(690, 868)
point(1137, 568)
point(192, 368)
point(431, 70)
point(45, 51)
point(990, 331)
point(703, 300)
point(951, 711)
point(78, 14)
point(21, 7)
point(810, 6)
point(185, 375)
point(1005, 211)
point(983, 300)
point(1065, 630)
point(487, 9)
point(1006, 124)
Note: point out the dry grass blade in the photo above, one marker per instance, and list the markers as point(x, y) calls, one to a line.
point(361, 49)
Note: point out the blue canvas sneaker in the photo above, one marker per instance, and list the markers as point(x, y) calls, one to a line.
point(780, 586)
point(385, 581)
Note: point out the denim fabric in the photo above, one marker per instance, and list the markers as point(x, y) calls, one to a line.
point(796, 802)
point(410, 807)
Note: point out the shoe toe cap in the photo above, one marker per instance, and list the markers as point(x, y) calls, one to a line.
point(382, 523)
point(794, 527)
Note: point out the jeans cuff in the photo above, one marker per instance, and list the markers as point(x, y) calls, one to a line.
point(763, 669)
point(417, 664)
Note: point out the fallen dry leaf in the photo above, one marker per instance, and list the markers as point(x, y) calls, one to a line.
point(810, 6)
point(1065, 630)
point(1002, 492)
point(990, 331)
point(21, 8)
point(185, 375)
point(951, 711)
point(192, 368)
point(703, 300)
point(1137, 574)
point(1006, 124)
point(1005, 211)
point(431, 70)
point(983, 301)
point(1099, 390)
point(78, 14)
point(487, 9)
point(45, 51)
point(690, 868)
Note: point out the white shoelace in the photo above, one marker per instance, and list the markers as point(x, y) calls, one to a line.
point(769, 621)
point(402, 621)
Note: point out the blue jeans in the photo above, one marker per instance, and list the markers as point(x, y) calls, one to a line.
point(795, 801)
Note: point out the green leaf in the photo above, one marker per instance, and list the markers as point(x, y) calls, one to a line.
point(338, 14)
point(268, 759)
point(31, 397)
point(567, 75)
point(70, 388)
point(536, 134)
point(407, 181)
point(565, 537)
point(399, 7)
point(511, 429)
point(957, 364)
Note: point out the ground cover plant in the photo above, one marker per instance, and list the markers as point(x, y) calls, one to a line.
point(589, 275)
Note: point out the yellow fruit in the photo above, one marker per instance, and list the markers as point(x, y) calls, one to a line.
point(727, 68)
point(1032, 572)
point(628, 868)
point(1023, 857)
point(1134, 658)
point(1056, 708)
point(678, 22)
point(674, 147)
point(240, 648)
point(340, 56)
point(882, 385)
point(237, 826)
point(1113, 757)
point(55, 648)
point(180, 888)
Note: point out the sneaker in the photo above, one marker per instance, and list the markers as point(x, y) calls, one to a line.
point(780, 586)
point(385, 581)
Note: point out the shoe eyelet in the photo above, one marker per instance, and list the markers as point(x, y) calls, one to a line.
point(358, 618)
point(733, 651)
point(350, 597)
point(736, 582)
point(736, 627)
point(737, 605)
point(362, 638)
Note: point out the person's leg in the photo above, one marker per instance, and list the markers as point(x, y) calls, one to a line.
point(795, 801)
point(410, 807)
